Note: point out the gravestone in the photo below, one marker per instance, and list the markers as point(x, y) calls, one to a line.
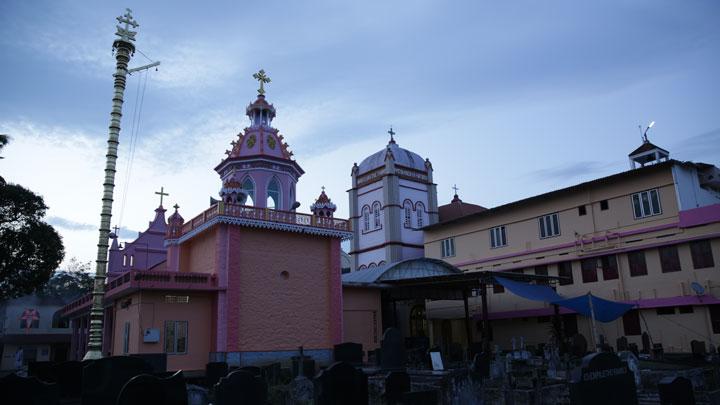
point(68, 375)
point(303, 366)
point(214, 372)
point(657, 351)
point(421, 397)
point(241, 387)
point(341, 383)
point(302, 390)
point(393, 350)
point(602, 378)
point(578, 345)
point(397, 383)
point(698, 349)
point(197, 395)
point(18, 390)
point(273, 373)
point(633, 365)
point(645, 343)
point(348, 352)
point(676, 391)
point(103, 379)
point(42, 370)
point(621, 344)
point(146, 389)
point(375, 357)
point(256, 371)
point(158, 361)
point(481, 364)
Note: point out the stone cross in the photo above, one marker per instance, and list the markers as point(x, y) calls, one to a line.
point(161, 193)
point(262, 78)
point(125, 33)
point(392, 133)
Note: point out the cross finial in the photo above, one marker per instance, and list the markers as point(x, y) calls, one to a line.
point(262, 78)
point(176, 206)
point(392, 134)
point(115, 229)
point(125, 33)
point(161, 193)
point(323, 188)
point(455, 187)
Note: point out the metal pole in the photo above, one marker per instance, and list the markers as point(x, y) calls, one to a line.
point(124, 49)
point(468, 329)
point(487, 332)
point(596, 337)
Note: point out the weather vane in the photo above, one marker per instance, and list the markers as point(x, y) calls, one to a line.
point(262, 78)
point(125, 33)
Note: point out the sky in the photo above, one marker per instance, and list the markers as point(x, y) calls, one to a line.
point(507, 99)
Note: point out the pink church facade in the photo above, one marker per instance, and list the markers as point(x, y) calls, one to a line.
point(248, 281)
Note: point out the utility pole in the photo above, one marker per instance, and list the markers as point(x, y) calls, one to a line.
point(124, 50)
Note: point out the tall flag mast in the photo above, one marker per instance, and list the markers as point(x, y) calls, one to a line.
point(124, 49)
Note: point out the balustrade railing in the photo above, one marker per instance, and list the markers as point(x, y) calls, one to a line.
point(265, 214)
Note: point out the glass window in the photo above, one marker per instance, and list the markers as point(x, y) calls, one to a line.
point(541, 270)
point(702, 256)
point(420, 211)
point(549, 225)
point(408, 214)
point(669, 259)
point(448, 247)
point(604, 205)
point(646, 203)
point(126, 338)
point(498, 237)
point(366, 218)
point(273, 192)
point(376, 214)
point(589, 270)
point(565, 270)
point(609, 267)
point(636, 262)
point(582, 210)
point(176, 337)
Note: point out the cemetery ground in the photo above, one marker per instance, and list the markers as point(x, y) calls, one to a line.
point(402, 371)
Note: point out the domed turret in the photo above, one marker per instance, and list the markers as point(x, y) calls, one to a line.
point(323, 207)
point(175, 224)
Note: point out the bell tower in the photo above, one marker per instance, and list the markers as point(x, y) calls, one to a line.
point(259, 170)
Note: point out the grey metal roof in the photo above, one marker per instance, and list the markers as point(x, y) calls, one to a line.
point(402, 157)
point(406, 269)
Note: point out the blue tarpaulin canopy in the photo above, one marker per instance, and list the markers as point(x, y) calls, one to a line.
point(605, 310)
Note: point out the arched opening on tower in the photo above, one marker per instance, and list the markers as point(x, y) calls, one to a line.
point(273, 194)
point(248, 188)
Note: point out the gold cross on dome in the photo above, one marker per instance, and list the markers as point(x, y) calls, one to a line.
point(161, 193)
point(262, 78)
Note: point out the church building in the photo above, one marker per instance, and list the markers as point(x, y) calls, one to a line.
point(248, 281)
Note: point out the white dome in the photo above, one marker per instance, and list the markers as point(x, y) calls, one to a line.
point(403, 157)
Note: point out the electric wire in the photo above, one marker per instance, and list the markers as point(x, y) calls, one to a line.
point(134, 131)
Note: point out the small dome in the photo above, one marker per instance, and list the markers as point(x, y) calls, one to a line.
point(403, 157)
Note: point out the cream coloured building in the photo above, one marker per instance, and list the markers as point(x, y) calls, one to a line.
point(648, 236)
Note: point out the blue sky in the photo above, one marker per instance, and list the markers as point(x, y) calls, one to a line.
point(507, 99)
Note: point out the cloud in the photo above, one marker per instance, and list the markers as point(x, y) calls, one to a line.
point(65, 223)
point(702, 146)
point(574, 170)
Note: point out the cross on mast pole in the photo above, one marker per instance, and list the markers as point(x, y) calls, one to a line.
point(124, 49)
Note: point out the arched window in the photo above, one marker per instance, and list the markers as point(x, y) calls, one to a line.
point(363, 267)
point(376, 214)
point(366, 218)
point(273, 194)
point(371, 265)
point(124, 260)
point(132, 260)
point(418, 321)
point(408, 214)
point(420, 212)
point(249, 190)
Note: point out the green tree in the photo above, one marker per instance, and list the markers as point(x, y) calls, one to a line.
point(71, 282)
point(30, 249)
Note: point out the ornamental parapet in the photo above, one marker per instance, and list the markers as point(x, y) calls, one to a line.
point(267, 218)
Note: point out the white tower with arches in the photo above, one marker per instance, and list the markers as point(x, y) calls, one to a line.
point(392, 197)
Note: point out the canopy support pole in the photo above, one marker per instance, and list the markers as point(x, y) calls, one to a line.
point(468, 331)
point(596, 337)
point(485, 318)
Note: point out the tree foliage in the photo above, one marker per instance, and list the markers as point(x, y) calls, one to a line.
point(72, 281)
point(30, 249)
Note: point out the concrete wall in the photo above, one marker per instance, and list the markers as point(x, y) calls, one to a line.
point(149, 309)
point(362, 317)
point(196, 254)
